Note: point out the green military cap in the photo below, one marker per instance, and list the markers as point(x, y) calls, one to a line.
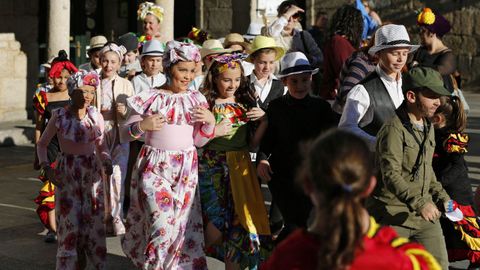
point(424, 77)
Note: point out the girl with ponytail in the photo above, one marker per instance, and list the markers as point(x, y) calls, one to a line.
point(337, 175)
point(451, 171)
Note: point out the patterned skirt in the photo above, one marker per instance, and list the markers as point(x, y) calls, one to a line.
point(80, 211)
point(164, 227)
point(232, 202)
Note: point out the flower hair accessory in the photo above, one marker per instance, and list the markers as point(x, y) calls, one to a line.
point(180, 51)
point(82, 78)
point(426, 17)
point(150, 8)
point(229, 61)
point(112, 47)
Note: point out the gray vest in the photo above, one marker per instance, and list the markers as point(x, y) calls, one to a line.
point(380, 100)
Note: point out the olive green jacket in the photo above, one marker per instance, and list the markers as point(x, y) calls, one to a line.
point(399, 195)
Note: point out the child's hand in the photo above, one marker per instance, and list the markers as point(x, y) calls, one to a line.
point(107, 165)
point(152, 122)
point(223, 128)
point(264, 170)
point(203, 115)
point(255, 114)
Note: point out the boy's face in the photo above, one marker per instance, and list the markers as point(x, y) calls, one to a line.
point(298, 85)
point(264, 64)
point(151, 65)
point(130, 57)
point(393, 60)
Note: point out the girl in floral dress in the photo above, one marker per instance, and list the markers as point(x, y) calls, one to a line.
point(164, 223)
point(78, 175)
point(44, 102)
point(234, 213)
point(111, 100)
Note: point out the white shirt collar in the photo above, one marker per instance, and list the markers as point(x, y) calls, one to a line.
point(384, 75)
point(254, 79)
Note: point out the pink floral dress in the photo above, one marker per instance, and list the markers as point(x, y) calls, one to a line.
point(80, 199)
point(164, 227)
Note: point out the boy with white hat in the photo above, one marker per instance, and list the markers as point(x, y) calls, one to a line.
point(292, 119)
point(151, 61)
point(373, 101)
point(96, 44)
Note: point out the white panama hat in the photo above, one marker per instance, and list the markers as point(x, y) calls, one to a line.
point(295, 63)
point(392, 36)
point(153, 48)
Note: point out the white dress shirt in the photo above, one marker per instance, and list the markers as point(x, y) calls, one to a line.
point(143, 82)
point(358, 113)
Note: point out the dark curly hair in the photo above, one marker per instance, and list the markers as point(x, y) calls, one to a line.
point(244, 94)
point(347, 21)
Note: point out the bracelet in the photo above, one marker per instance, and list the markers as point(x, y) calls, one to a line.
point(135, 131)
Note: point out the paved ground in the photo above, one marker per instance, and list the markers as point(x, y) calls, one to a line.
point(21, 246)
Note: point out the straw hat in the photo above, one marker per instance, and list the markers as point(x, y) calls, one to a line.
point(263, 42)
point(213, 46)
point(97, 42)
point(295, 63)
point(392, 36)
point(235, 38)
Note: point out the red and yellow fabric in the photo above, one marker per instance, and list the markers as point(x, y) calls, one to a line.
point(40, 101)
point(45, 199)
point(456, 143)
point(470, 234)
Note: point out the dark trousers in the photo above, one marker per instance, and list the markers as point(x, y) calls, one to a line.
point(135, 148)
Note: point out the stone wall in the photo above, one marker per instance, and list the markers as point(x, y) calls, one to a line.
point(21, 17)
point(217, 17)
point(463, 39)
point(13, 79)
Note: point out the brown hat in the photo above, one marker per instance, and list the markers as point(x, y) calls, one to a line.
point(235, 38)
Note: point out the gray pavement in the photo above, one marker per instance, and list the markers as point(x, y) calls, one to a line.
point(22, 246)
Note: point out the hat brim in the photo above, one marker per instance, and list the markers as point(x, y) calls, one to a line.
point(206, 52)
point(375, 49)
point(280, 52)
point(440, 90)
point(245, 45)
point(312, 71)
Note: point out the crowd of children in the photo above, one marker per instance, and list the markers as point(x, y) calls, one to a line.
point(167, 145)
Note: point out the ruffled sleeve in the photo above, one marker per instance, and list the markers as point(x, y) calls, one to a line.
point(145, 102)
point(40, 100)
point(86, 130)
point(456, 143)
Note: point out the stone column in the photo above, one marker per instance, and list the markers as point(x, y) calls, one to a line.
point(13, 79)
point(166, 28)
point(58, 27)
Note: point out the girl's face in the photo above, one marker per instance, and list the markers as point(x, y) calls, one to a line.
point(264, 64)
point(151, 25)
point(298, 85)
point(83, 96)
point(228, 82)
point(130, 57)
point(110, 64)
point(182, 73)
point(60, 83)
point(151, 65)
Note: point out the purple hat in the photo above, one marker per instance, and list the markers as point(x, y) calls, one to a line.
point(435, 23)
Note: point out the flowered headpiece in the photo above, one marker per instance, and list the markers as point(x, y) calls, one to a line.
point(229, 61)
point(198, 35)
point(82, 78)
point(435, 23)
point(180, 51)
point(112, 47)
point(150, 8)
point(60, 63)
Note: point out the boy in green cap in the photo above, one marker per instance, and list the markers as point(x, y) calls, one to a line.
point(408, 197)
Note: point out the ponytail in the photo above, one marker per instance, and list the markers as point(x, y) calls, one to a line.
point(452, 108)
point(337, 170)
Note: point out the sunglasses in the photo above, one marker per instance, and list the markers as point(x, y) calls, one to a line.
point(296, 16)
